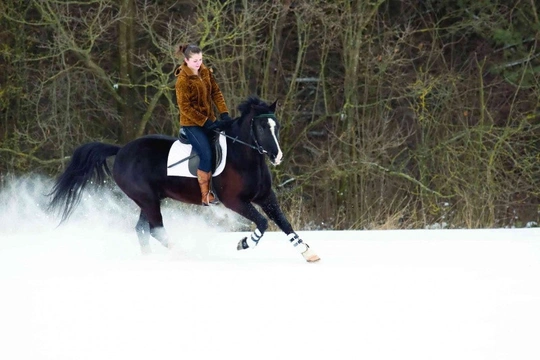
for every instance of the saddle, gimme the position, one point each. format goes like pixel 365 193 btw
pixel 184 161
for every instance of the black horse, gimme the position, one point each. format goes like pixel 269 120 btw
pixel 140 170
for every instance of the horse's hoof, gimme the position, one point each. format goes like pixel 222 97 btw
pixel 166 243
pixel 242 244
pixel 145 250
pixel 310 256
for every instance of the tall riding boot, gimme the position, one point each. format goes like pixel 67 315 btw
pixel 208 197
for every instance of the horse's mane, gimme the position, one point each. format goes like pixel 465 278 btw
pixel 250 103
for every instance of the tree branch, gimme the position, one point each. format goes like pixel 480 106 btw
pixel 33 158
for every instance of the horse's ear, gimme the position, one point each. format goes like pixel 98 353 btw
pixel 273 106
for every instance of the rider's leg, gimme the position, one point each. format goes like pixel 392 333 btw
pixel 199 140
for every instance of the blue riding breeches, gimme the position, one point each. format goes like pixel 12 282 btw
pixel 198 138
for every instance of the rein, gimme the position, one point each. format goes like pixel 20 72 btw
pixel 258 147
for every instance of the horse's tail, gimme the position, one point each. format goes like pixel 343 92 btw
pixel 88 161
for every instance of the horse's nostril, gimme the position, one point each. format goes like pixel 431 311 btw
pixel 279 158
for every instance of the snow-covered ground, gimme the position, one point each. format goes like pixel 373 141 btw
pixel 84 291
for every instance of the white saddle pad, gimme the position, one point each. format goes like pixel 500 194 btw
pixel 177 166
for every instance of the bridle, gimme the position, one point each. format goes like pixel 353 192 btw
pixel 257 147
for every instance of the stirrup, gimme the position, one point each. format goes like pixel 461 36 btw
pixel 213 202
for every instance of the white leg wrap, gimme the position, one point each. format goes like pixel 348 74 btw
pixel 297 242
pixel 303 248
pixel 253 240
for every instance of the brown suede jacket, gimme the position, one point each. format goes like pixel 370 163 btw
pixel 195 94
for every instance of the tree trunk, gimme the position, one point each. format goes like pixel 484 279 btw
pixel 125 86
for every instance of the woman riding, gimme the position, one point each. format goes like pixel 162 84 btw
pixel 196 90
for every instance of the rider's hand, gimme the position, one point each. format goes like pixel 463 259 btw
pixel 217 125
pixel 225 117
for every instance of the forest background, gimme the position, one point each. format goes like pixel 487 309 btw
pixel 395 114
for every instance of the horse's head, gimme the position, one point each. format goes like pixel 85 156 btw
pixel 265 130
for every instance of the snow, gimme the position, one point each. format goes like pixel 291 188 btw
pixel 83 290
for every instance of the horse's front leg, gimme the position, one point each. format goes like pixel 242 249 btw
pixel 248 211
pixel 271 208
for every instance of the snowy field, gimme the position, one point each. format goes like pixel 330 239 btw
pixel 84 291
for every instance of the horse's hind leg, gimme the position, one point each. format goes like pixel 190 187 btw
pixel 161 235
pixel 151 223
pixel 143 233
pixel 248 211
pixel 155 219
